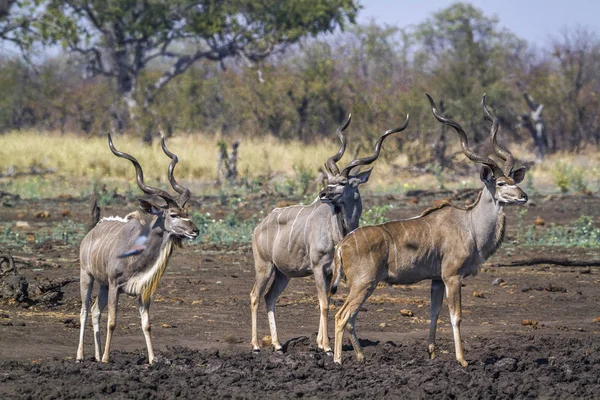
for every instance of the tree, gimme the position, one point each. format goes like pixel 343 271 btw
pixel 15 22
pixel 465 53
pixel 123 38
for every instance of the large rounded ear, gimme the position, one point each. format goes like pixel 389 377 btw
pixel 518 174
pixel 486 174
pixel 362 176
pixel 148 207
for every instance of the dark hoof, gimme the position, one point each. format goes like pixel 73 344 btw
pixel 329 353
pixel 255 351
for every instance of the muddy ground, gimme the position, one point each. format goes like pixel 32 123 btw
pixel 201 323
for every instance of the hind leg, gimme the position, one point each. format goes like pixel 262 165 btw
pixel 279 284
pixel 86 284
pixel 113 299
pixel 264 270
pixel 346 318
pixel 97 308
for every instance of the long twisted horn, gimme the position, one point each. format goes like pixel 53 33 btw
pixel 139 174
pixel 464 142
pixel 330 164
pixel 182 190
pixel 509 160
pixel 369 159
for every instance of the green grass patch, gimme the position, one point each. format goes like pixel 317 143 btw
pixel 583 233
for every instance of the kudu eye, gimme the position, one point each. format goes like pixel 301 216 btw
pixel 501 183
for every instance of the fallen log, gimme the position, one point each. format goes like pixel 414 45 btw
pixel 552 261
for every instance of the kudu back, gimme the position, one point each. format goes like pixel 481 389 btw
pixel 444 244
pixel 102 251
pixel 298 241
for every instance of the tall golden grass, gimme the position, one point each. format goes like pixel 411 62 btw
pixel 81 161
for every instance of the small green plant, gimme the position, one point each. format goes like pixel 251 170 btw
pixel 568 177
pixel 375 215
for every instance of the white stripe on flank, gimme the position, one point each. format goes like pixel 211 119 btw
pixel 292 230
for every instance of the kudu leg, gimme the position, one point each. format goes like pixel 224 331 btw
pixel 86 284
pixel 323 281
pixel 453 288
pixel 113 299
pixel 346 318
pixel 263 274
pixel 144 311
pixel 279 284
pixel 437 298
pixel 97 309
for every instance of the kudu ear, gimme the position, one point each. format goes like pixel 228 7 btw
pixel 486 174
pixel 518 174
pixel 363 176
pixel 149 207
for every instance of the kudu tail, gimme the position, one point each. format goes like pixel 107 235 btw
pixel 337 271
pixel 94 212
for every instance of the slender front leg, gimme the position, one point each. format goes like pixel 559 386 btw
pixel 113 299
pixel 437 298
pixel 144 309
pixel 263 274
pixel 97 309
pixel 323 281
pixel 279 284
pixel 86 283
pixel 453 284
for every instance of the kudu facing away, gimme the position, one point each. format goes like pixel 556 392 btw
pixel 444 244
pixel 102 250
pixel 299 240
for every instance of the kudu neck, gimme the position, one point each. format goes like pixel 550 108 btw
pixel 348 214
pixel 487 223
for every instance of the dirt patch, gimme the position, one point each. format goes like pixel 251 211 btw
pixel 201 327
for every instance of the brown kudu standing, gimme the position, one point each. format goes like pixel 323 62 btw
pixel 298 241
pixel 444 244
pixel 104 249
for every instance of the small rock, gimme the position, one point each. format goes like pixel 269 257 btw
pixel 539 221
pixel 167 326
pixel 219 283
pixel 597 319
pixel 529 322
pixel 22 224
pixel 507 364
pixel 481 295
pixel 42 214
pixel 497 281
pixel 406 313
pixel 65 213
pixel 382 325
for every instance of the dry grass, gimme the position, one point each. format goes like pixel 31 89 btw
pixel 83 161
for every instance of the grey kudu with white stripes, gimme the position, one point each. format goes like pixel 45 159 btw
pixel 444 244
pixel 299 240
pixel 100 254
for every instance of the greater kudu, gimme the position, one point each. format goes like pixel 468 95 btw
pixel 297 241
pixel 103 248
pixel 444 244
